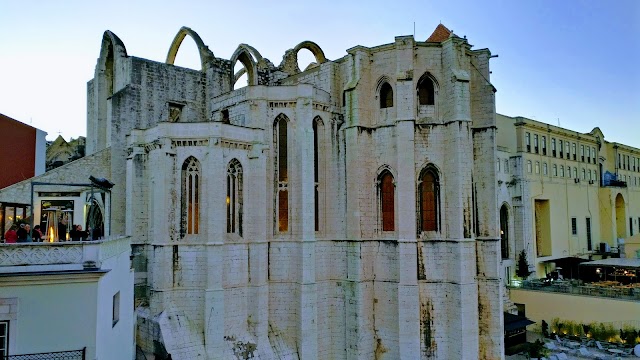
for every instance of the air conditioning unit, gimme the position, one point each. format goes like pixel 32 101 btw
pixel 591 182
pixel 576 180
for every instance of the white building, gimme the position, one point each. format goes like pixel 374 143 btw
pixel 70 297
pixel 347 211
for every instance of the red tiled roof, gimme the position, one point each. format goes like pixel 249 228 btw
pixel 440 34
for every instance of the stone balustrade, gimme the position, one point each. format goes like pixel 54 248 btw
pixel 25 257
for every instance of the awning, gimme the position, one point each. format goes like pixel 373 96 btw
pixel 513 322
pixel 617 262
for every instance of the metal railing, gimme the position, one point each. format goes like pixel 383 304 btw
pixel 58 355
pixel 566 287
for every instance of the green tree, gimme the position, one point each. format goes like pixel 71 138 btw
pixel 522 270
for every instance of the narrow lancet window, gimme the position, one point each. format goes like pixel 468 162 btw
pixel 426 92
pixel 387 200
pixel 190 196
pixel 282 191
pixel 317 155
pixel 429 193
pixel 234 197
pixel 386 96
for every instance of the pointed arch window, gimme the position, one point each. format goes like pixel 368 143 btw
pixel 428 197
pixel 190 196
pixel 281 176
pixel 386 186
pixel 426 91
pixel 234 197
pixel 504 231
pixel 386 96
pixel 318 172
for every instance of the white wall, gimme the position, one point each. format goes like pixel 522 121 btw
pixel 116 341
pixel 41 152
pixel 52 315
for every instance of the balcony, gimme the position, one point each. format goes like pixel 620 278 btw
pixel 577 287
pixel 60 256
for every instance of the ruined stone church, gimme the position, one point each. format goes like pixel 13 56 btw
pixel 343 211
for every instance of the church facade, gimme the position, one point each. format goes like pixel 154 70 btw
pixel 347 211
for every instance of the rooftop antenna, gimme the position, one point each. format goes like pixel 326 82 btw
pixel 558 122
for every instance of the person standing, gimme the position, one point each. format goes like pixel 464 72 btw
pixel 22 234
pixel 27 228
pixel 11 237
pixel 36 234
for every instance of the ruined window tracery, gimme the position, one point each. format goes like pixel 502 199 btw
pixel 190 196
pixel 428 197
pixel 234 197
pixel 386 187
pixel 386 96
pixel 282 179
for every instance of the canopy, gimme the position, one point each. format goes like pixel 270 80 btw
pixel 513 322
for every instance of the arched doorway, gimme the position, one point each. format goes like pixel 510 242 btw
pixel 95 219
pixel 504 231
pixel 621 229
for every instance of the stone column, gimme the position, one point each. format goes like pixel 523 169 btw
pixel 215 200
pixel 305 224
pixel 162 207
pixel 408 299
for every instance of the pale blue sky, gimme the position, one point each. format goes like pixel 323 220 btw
pixel 573 60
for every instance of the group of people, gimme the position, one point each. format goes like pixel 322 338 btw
pixel 23 234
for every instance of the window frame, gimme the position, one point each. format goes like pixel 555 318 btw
pixel 191 187
pixel 386 185
pixel 282 199
pixel 235 197
pixel 115 309
pixel 574 226
pixel 428 170
pixel 4 340
pixel 385 95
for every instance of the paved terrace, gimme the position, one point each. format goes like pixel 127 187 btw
pixel 60 256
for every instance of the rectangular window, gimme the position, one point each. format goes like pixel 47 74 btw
pixel 574 226
pixel 561 148
pixel 537 167
pixel 535 143
pixel 630 226
pixel 545 169
pixel 562 170
pixel 588 154
pixel 555 170
pixel 573 150
pixel 529 166
pixel 575 172
pixel 544 145
pixel 584 174
pixel 115 309
pixel 527 139
pixel 589 244
pixel 498 162
pixel 582 153
pixel 568 150
pixel 619 161
pixel 4 339
pixel 506 166
pixel 593 151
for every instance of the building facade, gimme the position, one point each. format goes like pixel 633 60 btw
pixel 563 194
pixel 22 151
pixel 67 300
pixel 347 211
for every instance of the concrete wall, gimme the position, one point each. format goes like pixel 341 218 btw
pixel 541 305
